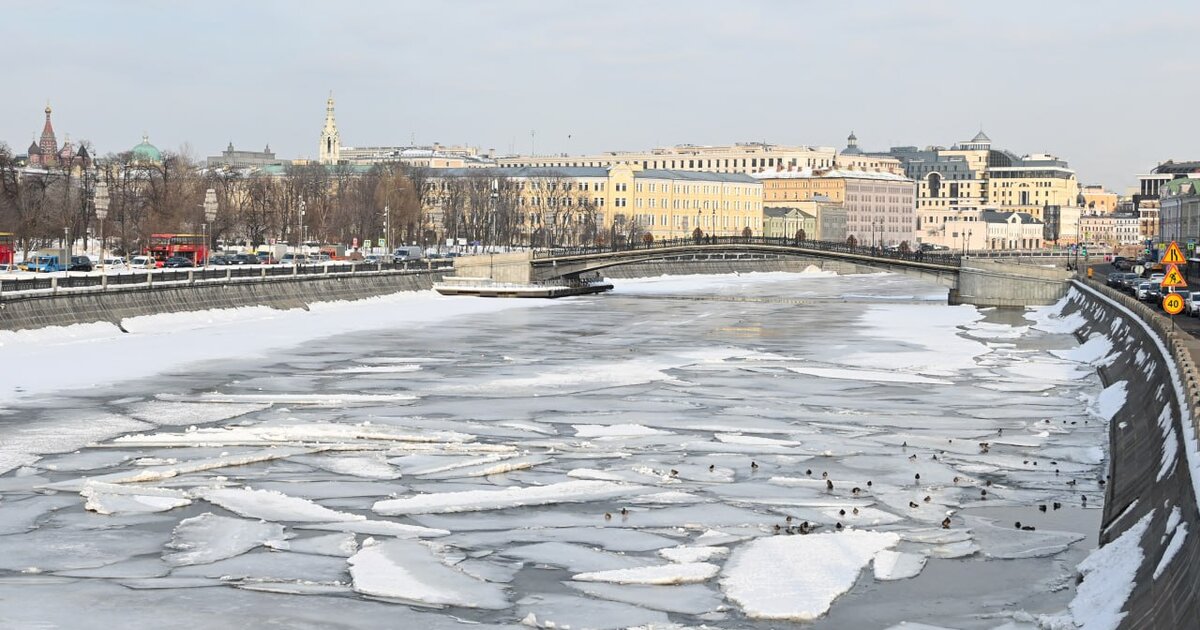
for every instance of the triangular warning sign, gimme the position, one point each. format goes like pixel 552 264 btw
pixel 1173 256
pixel 1173 278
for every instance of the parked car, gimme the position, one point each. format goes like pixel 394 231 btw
pixel 265 258
pixel 220 260
pixel 321 259
pixel 244 259
pixel 112 263
pixel 80 263
pixel 372 259
pixel 176 262
pixel 143 262
pixel 294 259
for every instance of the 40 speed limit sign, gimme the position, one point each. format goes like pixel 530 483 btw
pixel 1173 303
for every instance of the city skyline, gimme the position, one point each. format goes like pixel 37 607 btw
pixel 587 79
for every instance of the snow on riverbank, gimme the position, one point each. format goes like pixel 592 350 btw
pixel 86 356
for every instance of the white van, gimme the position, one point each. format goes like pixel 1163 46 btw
pixel 143 262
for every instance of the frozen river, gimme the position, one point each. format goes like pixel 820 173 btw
pixel 730 451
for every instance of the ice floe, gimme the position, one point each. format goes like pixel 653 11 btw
pixel 208 538
pixel 675 573
pixel 408 571
pixel 474 500
pixel 797 578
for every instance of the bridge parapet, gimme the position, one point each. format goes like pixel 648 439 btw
pixel 971 281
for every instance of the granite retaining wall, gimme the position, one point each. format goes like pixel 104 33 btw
pixel 117 303
pixel 1149 467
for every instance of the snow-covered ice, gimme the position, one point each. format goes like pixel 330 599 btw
pixel 408 571
pixel 796 578
pixel 473 500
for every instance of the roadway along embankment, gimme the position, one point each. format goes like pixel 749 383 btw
pixel 117 303
pixel 1152 452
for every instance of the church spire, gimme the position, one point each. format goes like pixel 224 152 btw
pixel 330 142
pixel 48 143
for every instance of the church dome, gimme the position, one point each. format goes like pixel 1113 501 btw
pixel 146 152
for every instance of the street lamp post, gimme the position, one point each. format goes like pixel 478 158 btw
pixel 100 203
pixel 210 213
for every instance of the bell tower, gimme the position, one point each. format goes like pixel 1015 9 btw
pixel 330 144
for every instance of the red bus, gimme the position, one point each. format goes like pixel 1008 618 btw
pixel 164 246
pixel 7 248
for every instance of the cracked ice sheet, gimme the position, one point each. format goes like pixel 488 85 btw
pixel 292 432
pixel 477 500
pixel 896 565
pixel 408 571
pixel 273 506
pixel 208 538
pixel 165 413
pixel 869 375
pixel 107 498
pixel 610 538
pixel 574 558
pixel 549 610
pixel 687 599
pixel 797 578
pixel 920 329
pixel 662 575
pixel 24 444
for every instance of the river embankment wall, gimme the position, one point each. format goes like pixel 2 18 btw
pixel 1152 452
pixel 116 303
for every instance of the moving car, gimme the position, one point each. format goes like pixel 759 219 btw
pixel 115 264
pixel 1142 292
pixel 244 259
pixel 294 259
pixel 220 260
pixel 265 258
pixel 176 262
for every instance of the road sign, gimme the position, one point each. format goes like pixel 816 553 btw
pixel 1173 303
pixel 1173 278
pixel 1173 256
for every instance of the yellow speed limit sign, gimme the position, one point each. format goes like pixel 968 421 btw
pixel 1173 303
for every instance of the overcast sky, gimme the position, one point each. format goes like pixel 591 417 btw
pixel 1106 85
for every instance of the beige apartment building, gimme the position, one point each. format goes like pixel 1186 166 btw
pixel 1110 230
pixel 880 208
pixel 972 175
pixel 627 198
pixel 747 158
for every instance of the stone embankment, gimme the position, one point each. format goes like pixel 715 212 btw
pixel 1152 440
pixel 116 303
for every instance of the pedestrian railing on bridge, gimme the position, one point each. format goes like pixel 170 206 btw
pixel 937 258
pixel 19 286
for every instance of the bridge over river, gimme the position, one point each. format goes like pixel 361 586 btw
pixel 978 280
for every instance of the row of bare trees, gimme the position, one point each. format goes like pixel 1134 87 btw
pixel 302 203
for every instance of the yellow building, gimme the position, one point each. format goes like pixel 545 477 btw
pixel 576 205
pixel 747 157
pixel 1096 200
